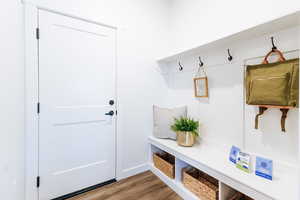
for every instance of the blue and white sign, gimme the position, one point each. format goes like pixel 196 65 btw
pixel 233 154
pixel 264 168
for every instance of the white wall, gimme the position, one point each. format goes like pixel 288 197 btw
pixel 197 22
pixel 222 113
pixel 11 101
pixel 142 29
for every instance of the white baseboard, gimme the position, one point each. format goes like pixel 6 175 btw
pixel 133 171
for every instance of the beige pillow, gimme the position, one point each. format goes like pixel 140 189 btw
pixel 163 118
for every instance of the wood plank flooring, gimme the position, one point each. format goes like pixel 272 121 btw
pixel 145 186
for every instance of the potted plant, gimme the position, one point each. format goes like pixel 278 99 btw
pixel 186 130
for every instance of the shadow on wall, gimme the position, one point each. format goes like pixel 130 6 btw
pixel 219 76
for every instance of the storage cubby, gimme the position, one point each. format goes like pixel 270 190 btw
pixel 165 163
pixel 228 193
pixel 201 184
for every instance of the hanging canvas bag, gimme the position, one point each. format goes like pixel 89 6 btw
pixel 273 85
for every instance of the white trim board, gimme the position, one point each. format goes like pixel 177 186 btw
pixel 38 5
pixel 31 100
pixel 133 171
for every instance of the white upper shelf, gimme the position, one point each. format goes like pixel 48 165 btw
pixel 259 30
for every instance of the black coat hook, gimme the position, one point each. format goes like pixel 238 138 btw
pixel 200 62
pixel 273 45
pixel 180 66
pixel 229 55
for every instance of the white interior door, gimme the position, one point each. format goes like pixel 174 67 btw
pixel 77 65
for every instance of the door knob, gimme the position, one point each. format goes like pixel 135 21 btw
pixel 111 113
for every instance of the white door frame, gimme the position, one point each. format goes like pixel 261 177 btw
pixel 31 98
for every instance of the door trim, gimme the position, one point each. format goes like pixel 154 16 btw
pixel 31 60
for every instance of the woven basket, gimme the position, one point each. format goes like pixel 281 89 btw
pixel 240 196
pixel 165 163
pixel 202 185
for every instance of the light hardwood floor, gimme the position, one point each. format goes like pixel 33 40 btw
pixel 145 186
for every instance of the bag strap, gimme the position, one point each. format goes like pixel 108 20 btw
pixel 261 111
pixel 274 51
pixel 283 118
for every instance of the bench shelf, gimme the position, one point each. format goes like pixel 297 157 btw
pixel 214 161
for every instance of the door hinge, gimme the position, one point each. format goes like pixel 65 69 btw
pixel 38 107
pixel 38 182
pixel 37 31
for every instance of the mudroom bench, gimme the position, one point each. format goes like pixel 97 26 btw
pixel 214 162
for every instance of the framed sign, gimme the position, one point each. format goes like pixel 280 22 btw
pixel 201 87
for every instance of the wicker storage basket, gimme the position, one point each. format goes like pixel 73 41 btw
pixel 240 196
pixel 202 185
pixel 165 163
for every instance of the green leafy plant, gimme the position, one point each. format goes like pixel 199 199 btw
pixel 186 124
